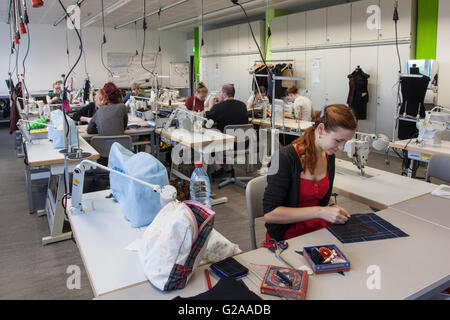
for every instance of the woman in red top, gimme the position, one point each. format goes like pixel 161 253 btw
pixel 196 102
pixel 297 197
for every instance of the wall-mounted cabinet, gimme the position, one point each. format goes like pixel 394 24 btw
pixel 338 24
pixel 279 31
pixel 387 31
pixel 296 30
pixel 316 27
pixel 360 31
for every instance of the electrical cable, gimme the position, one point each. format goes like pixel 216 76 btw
pixel 144 26
pixel 23 63
pixel 104 40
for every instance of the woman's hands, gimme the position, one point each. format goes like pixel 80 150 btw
pixel 334 214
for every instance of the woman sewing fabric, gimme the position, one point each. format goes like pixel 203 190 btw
pixel 85 114
pixel 257 100
pixel 196 102
pixel 297 196
pixel 302 106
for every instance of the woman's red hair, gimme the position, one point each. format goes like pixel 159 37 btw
pixel 334 116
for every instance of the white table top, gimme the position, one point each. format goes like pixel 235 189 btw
pixel 102 234
pixel 430 208
pixel 40 152
pixel 443 148
pixel 288 123
pixel 381 190
pixel 407 265
pixel 190 139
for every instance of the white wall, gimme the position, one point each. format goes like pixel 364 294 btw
pixel 339 37
pixel 47 58
pixel 443 52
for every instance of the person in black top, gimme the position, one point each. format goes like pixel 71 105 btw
pixel 300 178
pixel 226 110
pixel 85 114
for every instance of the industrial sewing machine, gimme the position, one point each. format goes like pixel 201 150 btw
pixel 189 120
pixel 167 96
pixel 431 128
pixel 358 148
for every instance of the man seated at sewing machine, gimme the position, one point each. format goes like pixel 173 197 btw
pixel 257 101
pixel 111 119
pixel 55 95
pixel 85 114
pixel 225 110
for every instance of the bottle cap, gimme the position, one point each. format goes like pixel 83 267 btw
pixel 198 164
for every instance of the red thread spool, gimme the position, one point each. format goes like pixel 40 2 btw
pixel 22 28
pixel 37 3
pixel 16 40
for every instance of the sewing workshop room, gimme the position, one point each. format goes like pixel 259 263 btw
pixel 235 152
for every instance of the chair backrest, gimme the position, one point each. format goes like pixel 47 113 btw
pixel 103 143
pixel 439 167
pixel 234 127
pixel 254 196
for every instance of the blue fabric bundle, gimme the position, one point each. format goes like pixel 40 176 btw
pixel 56 133
pixel 140 204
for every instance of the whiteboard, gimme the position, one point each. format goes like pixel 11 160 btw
pixel 179 74
pixel 126 67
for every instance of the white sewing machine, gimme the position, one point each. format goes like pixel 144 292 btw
pixel 189 120
pixel 167 96
pixel 431 128
pixel 358 148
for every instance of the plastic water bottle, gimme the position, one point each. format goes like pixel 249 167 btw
pixel 200 186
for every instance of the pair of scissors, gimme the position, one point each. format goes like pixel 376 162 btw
pixel 274 246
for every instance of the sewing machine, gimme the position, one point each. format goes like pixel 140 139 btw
pixel 167 96
pixel 167 193
pixel 431 128
pixel 189 120
pixel 358 148
pixel 139 106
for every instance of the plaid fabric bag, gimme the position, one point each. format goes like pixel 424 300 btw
pixel 174 243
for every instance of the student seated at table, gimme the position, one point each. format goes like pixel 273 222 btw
pixel 85 114
pixel 225 110
pixel 55 95
pixel 111 119
pixel 297 196
pixel 196 102
pixel 134 92
pixel 302 106
pixel 256 101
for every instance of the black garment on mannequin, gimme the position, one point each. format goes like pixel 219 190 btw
pixel 413 94
pixel 358 96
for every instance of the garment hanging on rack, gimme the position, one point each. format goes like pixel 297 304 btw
pixel 279 88
pixel 260 69
pixel 358 95
pixel 413 96
pixel 287 71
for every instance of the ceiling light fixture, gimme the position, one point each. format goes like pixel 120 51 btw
pixel 116 5
pixel 151 14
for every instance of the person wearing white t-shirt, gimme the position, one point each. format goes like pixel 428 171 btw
pixel 302 106
pixel 257 100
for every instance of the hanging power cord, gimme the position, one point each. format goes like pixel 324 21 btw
pixel 144 27
pixel 64 93
pixel 104 40
pixel 396 18
pixel 159 40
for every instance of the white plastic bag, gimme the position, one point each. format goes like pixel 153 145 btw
pixel 173 244
pixel 57 135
